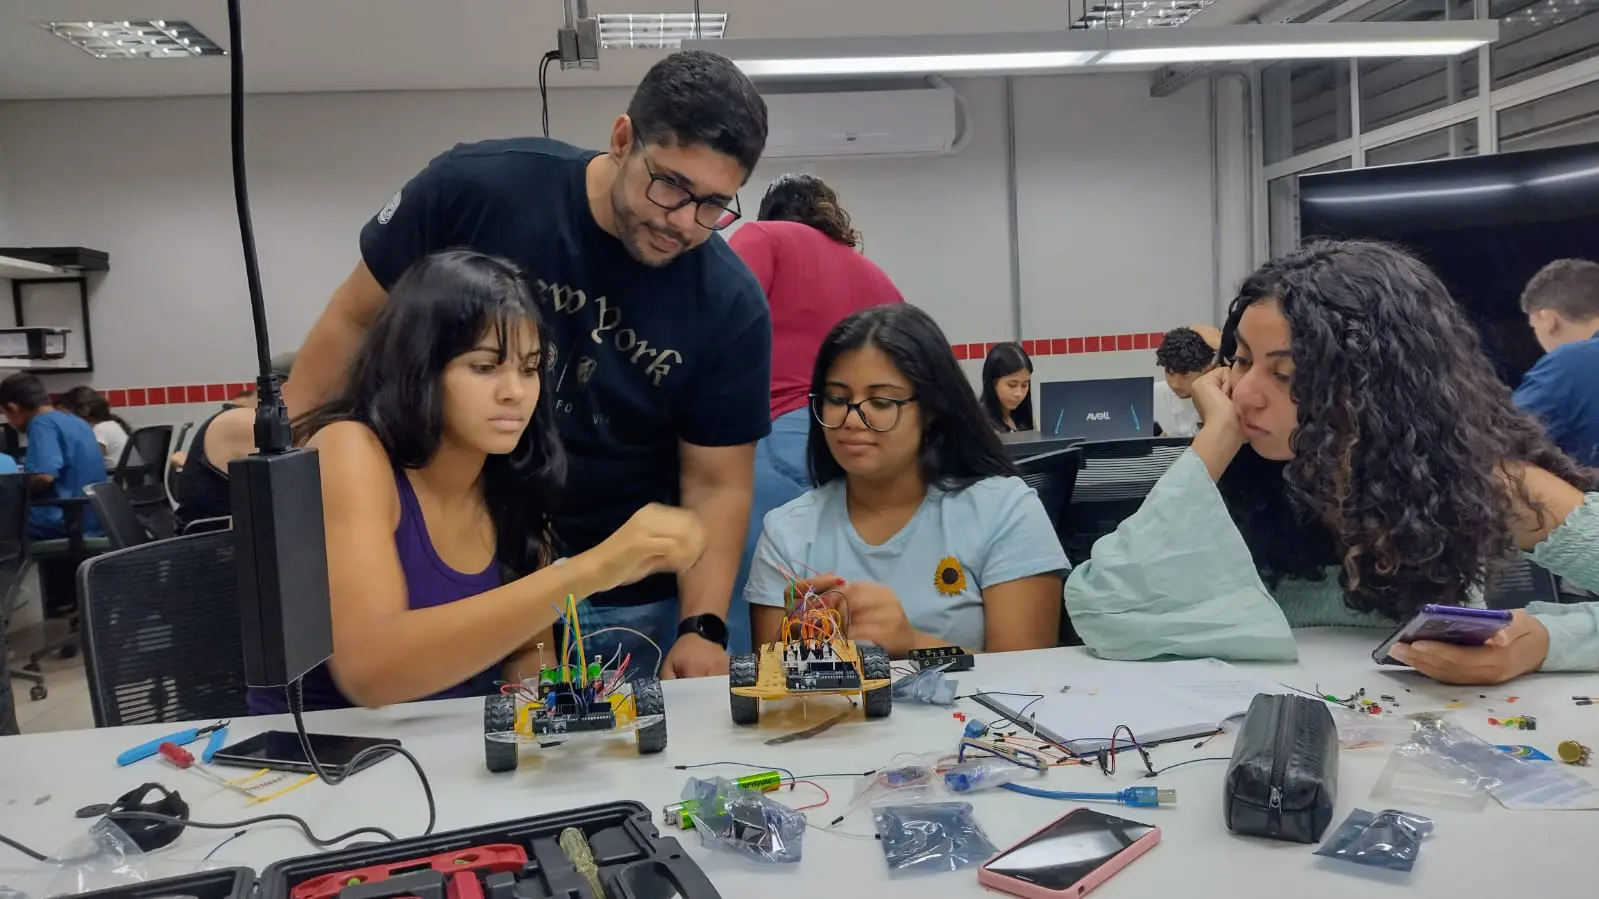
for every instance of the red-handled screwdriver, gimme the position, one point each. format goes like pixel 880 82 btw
pixel 183 758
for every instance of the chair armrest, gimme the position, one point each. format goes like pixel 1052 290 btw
pixel 207 525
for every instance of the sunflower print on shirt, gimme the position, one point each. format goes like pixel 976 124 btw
pixel 950 578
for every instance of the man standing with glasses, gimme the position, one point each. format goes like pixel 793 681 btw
pixel 659 352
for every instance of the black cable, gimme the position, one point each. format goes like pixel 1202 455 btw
pixel 544 88
pixel 30 853
pixel 296 820
pixel 333 779
pixel 1213 758
pixel 271 418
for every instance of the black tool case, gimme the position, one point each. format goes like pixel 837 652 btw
pixel 634 862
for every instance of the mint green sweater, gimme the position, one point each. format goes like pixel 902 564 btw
pixel 1176 579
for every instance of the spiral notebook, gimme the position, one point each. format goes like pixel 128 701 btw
pixel 1160 702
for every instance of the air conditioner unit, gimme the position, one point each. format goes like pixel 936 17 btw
pixel 918 122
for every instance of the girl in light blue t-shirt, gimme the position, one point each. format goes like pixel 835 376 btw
pixel 918 518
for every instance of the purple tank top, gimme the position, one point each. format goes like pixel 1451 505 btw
pixel 428 582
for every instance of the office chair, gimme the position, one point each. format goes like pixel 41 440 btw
pixel 1115 478
pixel 1520 582
pixel 161 632
pixel 58 558
pixel 207 525
pixel 142 475
pixel 14 562
pixel 118 518
pixel 1054 476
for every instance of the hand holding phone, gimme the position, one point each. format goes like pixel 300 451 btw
pixel 1457 625
pixel 1077 852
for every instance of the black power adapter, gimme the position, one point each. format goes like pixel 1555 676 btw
pixel 276 494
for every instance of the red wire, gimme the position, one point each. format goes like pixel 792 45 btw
pixel 826 796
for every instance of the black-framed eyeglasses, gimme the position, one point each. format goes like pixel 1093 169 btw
pixel 877 413
pixel 711 213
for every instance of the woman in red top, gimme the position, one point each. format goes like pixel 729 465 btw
pixel 807 257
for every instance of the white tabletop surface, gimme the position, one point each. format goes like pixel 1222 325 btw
pixel 1493 852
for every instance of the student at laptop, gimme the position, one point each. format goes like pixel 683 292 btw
pixel 109 429
pixel 440 468
pixel 1358 460
pixel 1184 355
pixel 1008 388
pixel 63 456
pixel 200 487
pixel 1562 390
pixel 918 520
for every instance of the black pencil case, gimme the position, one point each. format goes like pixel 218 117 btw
pixel 1282 781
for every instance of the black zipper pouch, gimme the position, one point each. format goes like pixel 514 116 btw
pixel 1282 781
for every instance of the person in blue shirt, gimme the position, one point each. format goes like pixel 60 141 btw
pixel 8 465
pixel 1562 389
pixel 919 520
pixel 63 455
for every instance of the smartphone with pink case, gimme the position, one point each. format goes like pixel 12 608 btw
pixel 1070 856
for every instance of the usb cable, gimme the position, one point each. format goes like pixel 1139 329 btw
pixel 1137 797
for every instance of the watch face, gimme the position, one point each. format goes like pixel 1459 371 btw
pixel 710 627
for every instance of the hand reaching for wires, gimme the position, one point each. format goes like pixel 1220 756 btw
pixel 872 613
pixel 657 538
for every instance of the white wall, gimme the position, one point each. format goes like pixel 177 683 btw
pixel 1115 211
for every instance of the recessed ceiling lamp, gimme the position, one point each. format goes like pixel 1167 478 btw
pixel 658 30
pixel 1079 48
pixel 1140 13
pixel 136 39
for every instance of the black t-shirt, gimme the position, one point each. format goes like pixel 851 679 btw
pixel 638 358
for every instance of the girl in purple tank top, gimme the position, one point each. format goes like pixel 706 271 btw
pixel 440 468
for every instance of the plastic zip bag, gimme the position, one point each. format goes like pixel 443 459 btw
pixel 930 685
pixel 930 838
pixel 746 822
pixel 1389 840
pixel 1515 783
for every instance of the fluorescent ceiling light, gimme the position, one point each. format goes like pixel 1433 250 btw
pixel 906 65
pixel 657 31
pixel 1329 50
pixel 136 39
pixel 1140 13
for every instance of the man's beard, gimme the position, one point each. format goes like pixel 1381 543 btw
pixel 629 229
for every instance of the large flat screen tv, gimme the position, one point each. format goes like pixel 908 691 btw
pixel 1485 224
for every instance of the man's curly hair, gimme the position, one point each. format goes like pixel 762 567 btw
pixel 1399 467
pixel 1184 352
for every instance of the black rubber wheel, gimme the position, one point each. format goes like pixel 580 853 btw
pixel 499 716
pixel 37 692
pixel 874 664
pixel 32 667
pixel 744 671
pixel 647 700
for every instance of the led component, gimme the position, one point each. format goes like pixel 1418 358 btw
pixel 136 39
pixel 1307 50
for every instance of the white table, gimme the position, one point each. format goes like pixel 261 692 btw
pixel 1488 853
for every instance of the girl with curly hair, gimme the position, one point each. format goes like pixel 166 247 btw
pixel 1358 460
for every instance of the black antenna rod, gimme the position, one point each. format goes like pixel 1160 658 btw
pixel 271 418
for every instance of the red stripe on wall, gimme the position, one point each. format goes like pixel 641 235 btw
pixel 1037 346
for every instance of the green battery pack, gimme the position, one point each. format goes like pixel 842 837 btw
pixel 680 814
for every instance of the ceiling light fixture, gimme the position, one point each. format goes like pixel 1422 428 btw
pixel 1079 48
pixel 658 30
pixel 136 39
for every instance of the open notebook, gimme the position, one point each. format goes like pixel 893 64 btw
pixel 1159 701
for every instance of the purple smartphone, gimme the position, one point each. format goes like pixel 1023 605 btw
pixel 1445 624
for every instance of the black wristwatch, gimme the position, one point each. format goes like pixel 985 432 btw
pixel 711 627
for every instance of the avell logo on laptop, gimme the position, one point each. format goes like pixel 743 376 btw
pixel 1111 409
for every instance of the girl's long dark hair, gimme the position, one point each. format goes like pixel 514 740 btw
pixel 438 310
pixel 808 200
pixel 958 446
pixel 1007 359
pixel 1403 432
pixel 91 406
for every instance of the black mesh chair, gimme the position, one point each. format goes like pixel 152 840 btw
pixel 58 558
pixel 1115 478
pixel 1521 582
pixel 143 466
pixel 14 561
pixel 161 632
pixel 178 445
pixel 118 518
pixel 1054 476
